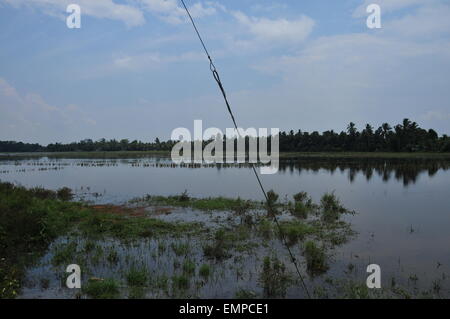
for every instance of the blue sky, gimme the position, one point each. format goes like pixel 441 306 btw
pixel 136 70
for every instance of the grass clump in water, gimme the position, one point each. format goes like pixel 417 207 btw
pixel 102 289
pixel 64 254
pixel 189 267
pixel 137 277
pixel 302 206
pixel 274 278
pixel 265 229
pixel 204 204
pixel 331 208
pixel 180 249
pixel 296 230
pixel 316 263
pixel 219 248
pixel 204 271
pixel 180 282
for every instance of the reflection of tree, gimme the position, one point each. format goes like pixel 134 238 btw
pixel 406 171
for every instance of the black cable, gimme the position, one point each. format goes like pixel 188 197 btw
pixel 219 83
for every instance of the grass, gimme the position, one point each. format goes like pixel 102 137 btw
pixel 103 224
pixel 331 208
pixel 137 277
pixel 204 204
pixel 102 289
pixel 223 241
pixel 204 271
pixel 274 278
pixel 64 254
pixel 30 219
pixel 297 230
pixel 316 262
pixel 189 267
pixel 180 249
pixel 180 282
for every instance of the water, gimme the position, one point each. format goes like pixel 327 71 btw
pixel 403 206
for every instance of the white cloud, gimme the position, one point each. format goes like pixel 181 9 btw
pixel 132 13
pixel 259 33
pixel 171 12
pixel 106 9
pixel 143 62
pixel 427 21
pixel 283 30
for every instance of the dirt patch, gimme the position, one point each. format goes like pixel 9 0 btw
pixel 120 210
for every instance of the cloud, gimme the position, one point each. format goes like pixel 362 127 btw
pixel 132 13
pixel 28 117
pixel 171 12
pixel 143 62
pixel 283 30
pixel 105 9
pixel 426 22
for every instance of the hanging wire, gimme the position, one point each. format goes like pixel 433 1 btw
pixel 269 204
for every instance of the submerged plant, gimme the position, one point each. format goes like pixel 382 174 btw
pixel 189 267
pixel 204 271
pixel 274 278
pixel 180 282
pixel 102 289
pixel 296 230
pixel 331 208
pixel 219 248
pixel 315 258
pixel 137 277
pixel 302 206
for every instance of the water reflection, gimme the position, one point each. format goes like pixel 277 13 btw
pixel 405 171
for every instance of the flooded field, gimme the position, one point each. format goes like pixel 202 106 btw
pixel 401 222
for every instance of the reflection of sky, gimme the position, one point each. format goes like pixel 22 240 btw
pixel 386 211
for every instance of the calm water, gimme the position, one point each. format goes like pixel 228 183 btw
pixel 403 206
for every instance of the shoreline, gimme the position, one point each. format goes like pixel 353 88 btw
pixel 283 155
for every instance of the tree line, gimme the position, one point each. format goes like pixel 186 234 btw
pixel 404 137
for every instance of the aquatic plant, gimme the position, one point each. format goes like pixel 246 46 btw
pixel 65 254
pixel 274 278
pixel 219 248
pixel 204 271
pixel 113 257
pixel 316 263
pixel 102 289
pixel 180 249
pixel 265 228
pixel 245 294
pixel 331 208
pixel 296 230
pixel 180 282
pixel 188 267
pixel 137 277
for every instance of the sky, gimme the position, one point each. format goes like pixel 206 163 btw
pixel 136 70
